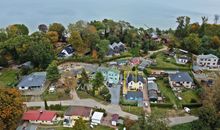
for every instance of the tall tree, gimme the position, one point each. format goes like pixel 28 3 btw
pixel 192 43
pixel 17 29
pixel 98 81
pixel 53 72
pixel 84 80
pixel 10 109
pixel 183 27
pixel 41 54
pixel 80 125
pixel 43 28
pixel 102 47
pixel 53 36
pixel 3 35
pixel 76 40
pixel 202 30
pixel 57 27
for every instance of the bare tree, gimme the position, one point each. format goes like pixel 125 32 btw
pixel 216 18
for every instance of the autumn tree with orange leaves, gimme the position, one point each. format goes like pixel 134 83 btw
pixel 10 108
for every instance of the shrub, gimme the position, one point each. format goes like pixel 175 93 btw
pixel 192 105
pixel 67 91
pixel 162 105
pixel 56 107
pixel 193 100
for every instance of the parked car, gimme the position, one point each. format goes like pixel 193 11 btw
pixel 186 109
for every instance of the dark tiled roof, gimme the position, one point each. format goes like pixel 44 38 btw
pixel 34 79
pixel 134 94
pixel 134 78
pixel 152 94
pixel 152 86
pixel 181 76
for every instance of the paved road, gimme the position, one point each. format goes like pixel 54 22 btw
pixel 114 109
pixel 181 120
pixel 115 94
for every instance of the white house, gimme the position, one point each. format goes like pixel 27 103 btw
pixel 96 118
pixel 135 82
pixel 66 52
pixel 209 60
pixel 182 60
pixel 179 80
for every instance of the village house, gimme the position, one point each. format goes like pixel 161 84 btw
pixel 135 82
pixel 74 113
pixel 134 96
pixel 209 60
pixel 111 75
pixel 152 91
pixel 40 117
pixel 97 118
pixel 116 49
pixel 144 64
pixel 182 59
pixel 34 80
pixel 115 118
pixel 66 52
pixel 179 80
pixel 135 61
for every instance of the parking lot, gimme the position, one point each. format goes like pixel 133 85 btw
pixel 115 94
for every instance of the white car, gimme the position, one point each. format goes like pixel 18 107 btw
pixel 186 109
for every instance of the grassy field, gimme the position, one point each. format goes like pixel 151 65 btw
pixel 166 62
pixel 132 109
pixel 58 95
pixel 7 77
pixel 186 126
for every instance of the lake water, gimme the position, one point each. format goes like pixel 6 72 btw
pixel 153 13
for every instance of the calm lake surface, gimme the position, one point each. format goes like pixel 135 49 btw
pixel 153 13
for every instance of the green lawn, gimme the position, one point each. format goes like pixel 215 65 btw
pixel 55 96
pixel 167 92
pixel 166 62
pixel 132 109
pixel 84 95
pixel 188 96
pixel 186 126
pixel 7 77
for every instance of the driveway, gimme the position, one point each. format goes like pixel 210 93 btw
pixel 115 94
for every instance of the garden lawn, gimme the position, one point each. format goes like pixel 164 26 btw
pixel 165 62
pixel 85 95
pixel 188 95
pixel 54 96
pixel 132 109
pixel 8 77
pixel 99 127
pixel 167 92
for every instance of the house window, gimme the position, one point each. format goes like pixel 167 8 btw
pixel 139 83
pixel 213 63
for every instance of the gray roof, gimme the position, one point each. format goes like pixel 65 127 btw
pixel 152 86
pixel 181 77
pixel 34 79
pixel 145 63
pixel 134 78
pixel 207 56
pixel 196 68
pixel 134 94
pixel 152 94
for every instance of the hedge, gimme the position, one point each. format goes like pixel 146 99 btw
pixel 192 105
pixel 162 105
pixel 127 103
pixel 168 68
pixel 91 60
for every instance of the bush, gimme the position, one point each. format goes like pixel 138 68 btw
pixel 193 100
pixel 128 103
pixel 192 105
pixel 153 56
pixel 56 107
pixel 162 105
pixel 67 91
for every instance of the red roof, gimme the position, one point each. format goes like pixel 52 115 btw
pixel 47 116
pixel 39 115
pixel 135 61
